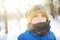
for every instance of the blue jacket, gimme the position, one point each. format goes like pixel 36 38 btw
pixel 28 35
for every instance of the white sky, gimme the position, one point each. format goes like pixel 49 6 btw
pixel 22 5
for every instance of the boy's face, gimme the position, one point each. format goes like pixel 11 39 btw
pixel 38 18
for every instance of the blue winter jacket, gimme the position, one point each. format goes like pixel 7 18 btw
pixel 28 35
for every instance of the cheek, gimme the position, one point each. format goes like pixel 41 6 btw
pixel 35 20
pixel 43 19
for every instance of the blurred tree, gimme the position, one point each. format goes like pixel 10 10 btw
pixel 59 7
pixel 59 10
pixel 54 8
pixel 5 17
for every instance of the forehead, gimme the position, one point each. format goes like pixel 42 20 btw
pixel 38 13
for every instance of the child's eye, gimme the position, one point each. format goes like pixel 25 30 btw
pixel 43 16
pixel 35 16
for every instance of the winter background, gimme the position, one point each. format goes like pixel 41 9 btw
pixel 17 24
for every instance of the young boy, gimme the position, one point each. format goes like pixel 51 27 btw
pixel 38 25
